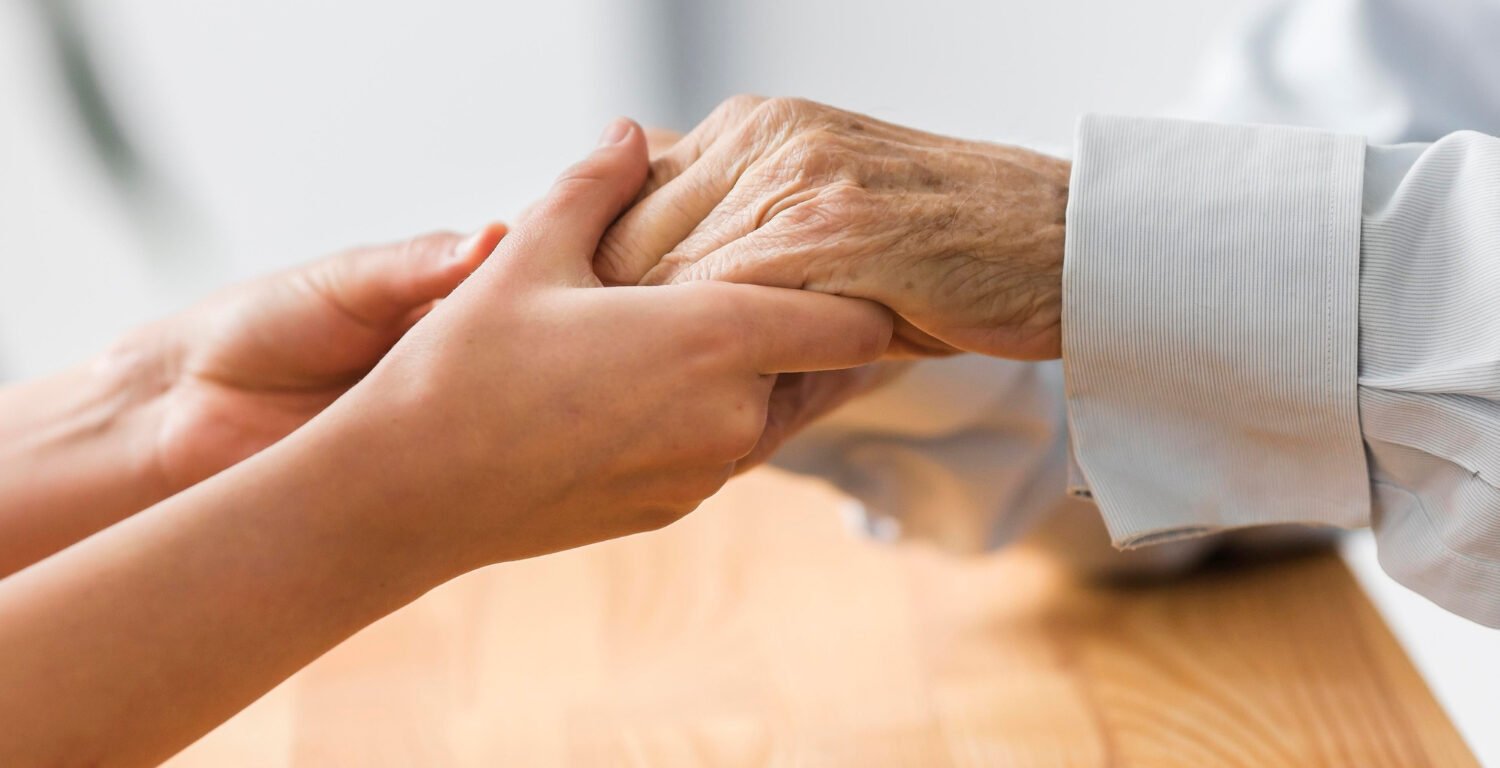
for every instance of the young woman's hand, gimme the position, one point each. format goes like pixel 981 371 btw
pixel 535 410
pixel 248 366
pixel 186 397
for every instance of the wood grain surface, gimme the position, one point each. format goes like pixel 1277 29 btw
pixel 759 632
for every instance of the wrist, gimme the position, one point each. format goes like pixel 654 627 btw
pixel 1031 197
pixel 80 447
pixel 368 462
pixel 352 503
pixel 136 376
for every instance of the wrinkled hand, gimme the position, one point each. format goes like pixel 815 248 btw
pixel 798 399
pixel 962 239
pixel 245 368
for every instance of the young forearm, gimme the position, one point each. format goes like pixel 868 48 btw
pixel 130 645
pixel 77 454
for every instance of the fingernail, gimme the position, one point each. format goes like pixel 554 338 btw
pixel 615 132
pixel 466 246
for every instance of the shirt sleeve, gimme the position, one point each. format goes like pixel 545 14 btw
pixel 965 452
pixel 1429 374
pixel 1277 325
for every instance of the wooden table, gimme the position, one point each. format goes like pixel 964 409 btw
pixel 759 632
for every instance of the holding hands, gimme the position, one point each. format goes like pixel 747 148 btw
pixel 962 239
pixel 184 398
pixel 325 445
pixel 546 412
pixel 247 367
pixel 318 448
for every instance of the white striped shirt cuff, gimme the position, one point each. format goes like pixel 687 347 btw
pixel 1210 326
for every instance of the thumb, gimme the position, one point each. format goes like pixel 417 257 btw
pixel 380 285
pixel 560 233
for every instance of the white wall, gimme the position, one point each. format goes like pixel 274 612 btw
pixel 1020 69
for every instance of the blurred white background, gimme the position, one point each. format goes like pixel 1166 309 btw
pixel 228 139
pixel 264 134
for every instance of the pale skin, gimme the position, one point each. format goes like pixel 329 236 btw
pixel 801 398
pixel 531 410
pixel 963 240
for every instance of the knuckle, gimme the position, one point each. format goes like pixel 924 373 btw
pixel 587 177
pixel 581 176
pixel 778 114
pixel 675 267
pixel 332 283
pixel 737 108
pixel 828 212
pixel 568 192
pixel 738 105
pixel 789 107
pixel 663 169
pixel 843 199
pixel 612 262
pixel 584 184
pixel 820 152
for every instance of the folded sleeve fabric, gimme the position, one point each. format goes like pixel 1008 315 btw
pixel 1279 325
pixel 966 453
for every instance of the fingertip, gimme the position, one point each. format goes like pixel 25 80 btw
pixel 622 148
pixel 624 138
pixel 480 244
pixel 568 223
pixel 617 131
pixel 880 329
pixel 443 260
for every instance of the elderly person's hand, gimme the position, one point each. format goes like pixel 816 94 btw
pixel 799 399
pixel 962 239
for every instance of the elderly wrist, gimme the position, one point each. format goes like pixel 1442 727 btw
pixel 1027 203
pixel 1048 219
